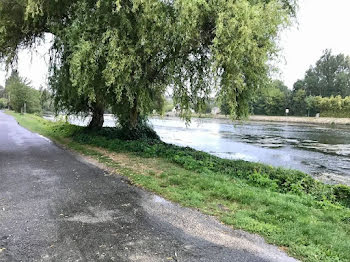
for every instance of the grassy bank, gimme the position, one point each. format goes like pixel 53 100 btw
pixel 306 218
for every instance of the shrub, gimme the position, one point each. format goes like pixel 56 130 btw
pixel 334 106
pixel 3 103
pixel 342 194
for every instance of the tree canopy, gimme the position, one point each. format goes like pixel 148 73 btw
pixel 329 77
pixel 2 91
pixel 22 95
pixel 3 98
pixel 126 54
pixel 273 99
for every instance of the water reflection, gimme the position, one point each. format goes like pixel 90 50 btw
pixel 317 150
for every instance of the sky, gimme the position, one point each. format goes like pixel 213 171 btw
pixel 321 24
pixel 32 64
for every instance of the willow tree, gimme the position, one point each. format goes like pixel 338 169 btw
pixel 126 54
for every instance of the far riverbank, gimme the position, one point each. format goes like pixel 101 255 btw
pixel 285 119
pixel 306 120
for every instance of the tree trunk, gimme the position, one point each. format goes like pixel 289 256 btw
pixel 134 116
pixel 97 117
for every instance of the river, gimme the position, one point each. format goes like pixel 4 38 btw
pixel 319 150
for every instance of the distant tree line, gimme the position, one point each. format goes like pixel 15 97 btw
pixel 19 96
pixel 329 77
pixel 325 89
pixel 3 98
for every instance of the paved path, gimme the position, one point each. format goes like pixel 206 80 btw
pixel 54 206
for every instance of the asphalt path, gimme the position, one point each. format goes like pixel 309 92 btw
pixel 56 206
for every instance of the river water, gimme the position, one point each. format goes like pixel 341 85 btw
pixel 319 150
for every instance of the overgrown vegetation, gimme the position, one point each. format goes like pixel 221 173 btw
pixel 307 218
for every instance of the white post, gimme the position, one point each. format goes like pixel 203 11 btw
pixel 287 111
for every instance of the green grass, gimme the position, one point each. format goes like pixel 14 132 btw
pixel 288 208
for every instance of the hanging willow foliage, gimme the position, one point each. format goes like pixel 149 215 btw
pixel 126 54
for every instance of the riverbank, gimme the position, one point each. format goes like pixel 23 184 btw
pixel 281 119
pixel 306 218
pixel 305 120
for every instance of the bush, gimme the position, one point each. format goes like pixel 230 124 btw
pixel 342 193
pixel 143 132
pixel 334 106
pixel 3 103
